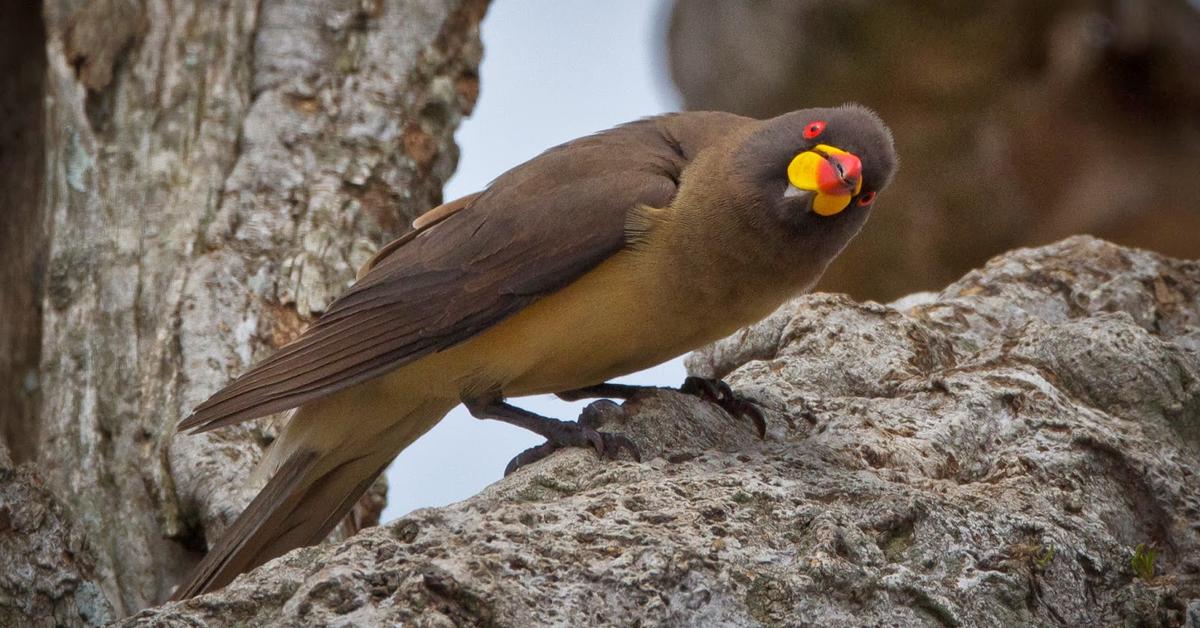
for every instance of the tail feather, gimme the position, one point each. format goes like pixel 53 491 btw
pixel 313 519
pixel 244 541
pixel 323 462
pixel 293 510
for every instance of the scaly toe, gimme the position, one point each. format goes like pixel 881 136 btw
pixel 616 442
pixel 530 456
pixel 581 433
pixel 719 393
pixel 595 413
pixel 750 410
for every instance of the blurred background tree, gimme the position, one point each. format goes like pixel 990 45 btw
pixel 1018 122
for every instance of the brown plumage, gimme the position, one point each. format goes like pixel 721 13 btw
pixel 599 257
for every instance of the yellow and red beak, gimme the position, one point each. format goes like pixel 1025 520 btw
pixel 832 173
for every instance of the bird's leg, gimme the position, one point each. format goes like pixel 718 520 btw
pixel 603 391
pixel 712 390
pixel 558 434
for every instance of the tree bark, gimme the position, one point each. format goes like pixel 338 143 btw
pixel 22 70
pixel 214 173
pixel 47 570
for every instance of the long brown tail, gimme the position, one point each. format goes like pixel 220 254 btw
pixel 327 456
pixel 299 506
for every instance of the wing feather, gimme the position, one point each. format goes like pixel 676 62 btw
pixel 471 264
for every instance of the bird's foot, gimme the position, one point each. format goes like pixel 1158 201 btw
pixel 580 433
pixel 719 393
pixel 558 434
pixel 712 390
pixel 605 391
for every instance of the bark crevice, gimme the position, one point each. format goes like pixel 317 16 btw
pixel 22 233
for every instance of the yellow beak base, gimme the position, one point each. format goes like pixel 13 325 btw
pixel 804 173
pixel 830 204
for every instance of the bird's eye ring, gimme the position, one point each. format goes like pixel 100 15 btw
pixel 866 199
pixel 814 129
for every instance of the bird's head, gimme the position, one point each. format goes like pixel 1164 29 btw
pixel 817 168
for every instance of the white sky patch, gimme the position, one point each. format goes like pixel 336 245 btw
pixel 552 70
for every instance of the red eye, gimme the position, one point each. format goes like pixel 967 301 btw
pixel 866 199
pixel 814 129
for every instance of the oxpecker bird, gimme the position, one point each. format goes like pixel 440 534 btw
pixel 600 257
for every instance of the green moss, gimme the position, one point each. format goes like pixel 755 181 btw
pixel 768 598
pixel 897 540
pixel 545 487
pixel 1043 560
pixel 1142 561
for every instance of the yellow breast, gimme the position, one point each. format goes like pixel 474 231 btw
pixel 622 317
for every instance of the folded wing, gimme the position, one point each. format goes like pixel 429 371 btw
pixel 534 230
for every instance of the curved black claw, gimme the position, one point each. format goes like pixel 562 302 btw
pixel 581 433
pixel 530 456
pixel 718 392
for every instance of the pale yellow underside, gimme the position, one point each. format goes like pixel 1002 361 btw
pixel 624 316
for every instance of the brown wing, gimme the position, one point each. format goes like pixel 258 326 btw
pixel 423 222
pixel 532 231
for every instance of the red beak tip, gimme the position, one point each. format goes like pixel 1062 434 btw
pixel 852 165
pixel 830 182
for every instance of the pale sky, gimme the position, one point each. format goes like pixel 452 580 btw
pixel 552 70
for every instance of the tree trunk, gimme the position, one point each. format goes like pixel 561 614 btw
pixel 214 173
pixel 22 68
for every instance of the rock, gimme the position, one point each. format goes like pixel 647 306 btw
pixel 47 573
pixel 1018 449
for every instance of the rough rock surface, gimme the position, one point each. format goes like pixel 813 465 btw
pixel 48 576
pixel 993 455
